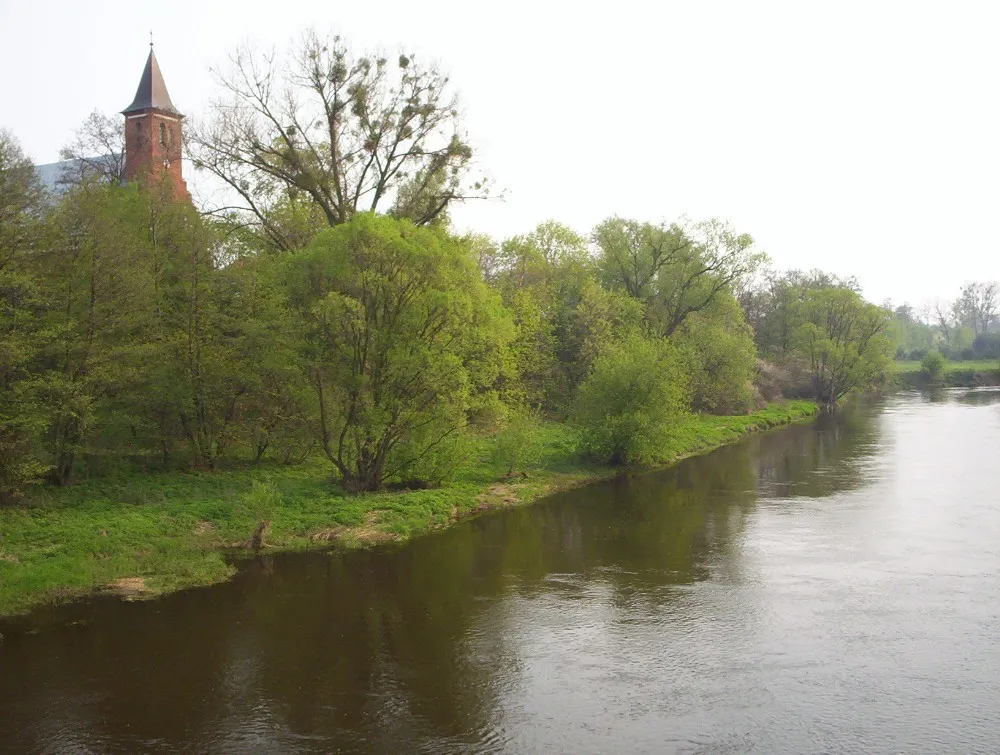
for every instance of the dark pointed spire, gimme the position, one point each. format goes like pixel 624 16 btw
pixel 152 92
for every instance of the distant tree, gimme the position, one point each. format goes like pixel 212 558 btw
pixel 635 391
pixel 350 132
pixel 976 306
pixel 932 367
pixel 846 341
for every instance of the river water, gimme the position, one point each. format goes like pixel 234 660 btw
pixel 827 588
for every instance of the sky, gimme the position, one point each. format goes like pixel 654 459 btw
pixel 862 138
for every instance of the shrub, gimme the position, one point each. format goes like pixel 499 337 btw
pixel 932 366
pixel 626 406
pixel 517 444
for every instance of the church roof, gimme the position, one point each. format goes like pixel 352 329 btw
pixel 152 92
pixel 56 178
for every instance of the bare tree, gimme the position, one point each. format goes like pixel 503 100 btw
pixel 976 306
pixel 350 133
pixel 97 151
pixel 940 313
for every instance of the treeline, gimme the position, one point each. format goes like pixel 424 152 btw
pixel 335 312
pixel 963 330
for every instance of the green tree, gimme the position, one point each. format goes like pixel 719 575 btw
pixel 717 347
pixel 400 333
pixel 517 443
pixel 932 367
pixel 846 340
pixel 676 271
pixel 542 277
pixel 22 334
pixel 625 408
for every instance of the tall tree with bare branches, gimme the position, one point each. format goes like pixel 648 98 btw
pixel 96 152
pixel 347 132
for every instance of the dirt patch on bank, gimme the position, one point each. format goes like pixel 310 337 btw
pixel 367 533
pixel 498 495
pixel 130 588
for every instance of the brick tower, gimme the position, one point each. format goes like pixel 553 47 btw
pixel 153 134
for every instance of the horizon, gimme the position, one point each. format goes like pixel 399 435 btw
pixel 903 176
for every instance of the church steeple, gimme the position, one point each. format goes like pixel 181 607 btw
pixel 153 133
pixel 152 91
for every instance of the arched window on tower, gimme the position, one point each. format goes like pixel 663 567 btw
pixel 163 134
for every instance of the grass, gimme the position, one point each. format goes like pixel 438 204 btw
pixel 956 374
pixel 146 534
pixel 979 365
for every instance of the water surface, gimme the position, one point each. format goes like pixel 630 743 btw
pixel 830 588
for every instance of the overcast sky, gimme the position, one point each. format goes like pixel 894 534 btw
pixel 858 137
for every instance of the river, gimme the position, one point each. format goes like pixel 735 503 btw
pixel 826 588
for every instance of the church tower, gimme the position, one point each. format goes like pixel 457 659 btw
pixel 153 133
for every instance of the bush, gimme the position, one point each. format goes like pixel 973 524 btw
pixel 626 406
pixel 517 444
pixel 932 366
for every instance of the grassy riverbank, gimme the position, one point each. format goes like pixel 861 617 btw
pixel 152 533
pixel 956 374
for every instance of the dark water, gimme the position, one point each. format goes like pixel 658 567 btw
pixel 823 589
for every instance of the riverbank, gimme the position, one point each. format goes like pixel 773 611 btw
pixel 971 374
pixel 144 535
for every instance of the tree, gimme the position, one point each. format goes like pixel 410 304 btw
pixel 932 367
pixel 846 340
pixel 350 132
pixel 400 334
pixel 97 151
pixel 22 336
pixel 719 355
pixel 976 306
pixel 541 276
pixel 626 405
pixel 517 443
pixel 677 271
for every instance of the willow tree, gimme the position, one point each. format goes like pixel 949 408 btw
pixel 348 132
pixel 846 340
pixel 401 338
pixel 677 270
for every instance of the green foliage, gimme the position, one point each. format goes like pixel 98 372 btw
pixel 627 404
pixel 262 501
pixel 516 445
pixel 400 334
pixel 719 355
pixel 23 414
pixel 932 366
pixel 676 271
pixel 846 340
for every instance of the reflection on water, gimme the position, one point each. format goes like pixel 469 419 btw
pixel 826 588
